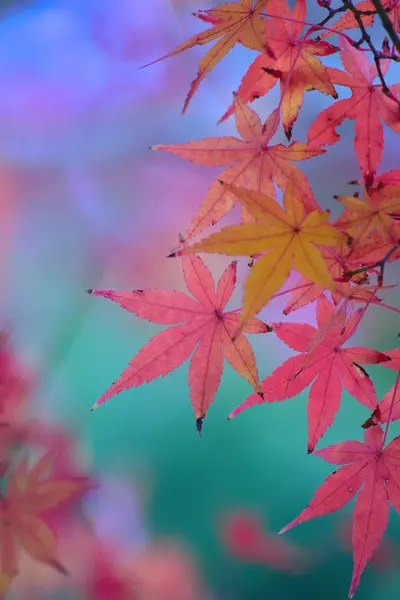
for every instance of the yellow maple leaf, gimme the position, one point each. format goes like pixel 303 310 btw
pixel 291 237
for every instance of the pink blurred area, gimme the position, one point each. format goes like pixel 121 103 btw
pixel 99 570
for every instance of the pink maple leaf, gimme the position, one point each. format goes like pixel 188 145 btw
pixel 331 366
pixel 255 164
pixel 367 106
pixel 202 326
pixel 370 469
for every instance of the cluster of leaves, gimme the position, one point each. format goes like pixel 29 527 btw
pixel 44 522
pixel 40 481
pixel 341 263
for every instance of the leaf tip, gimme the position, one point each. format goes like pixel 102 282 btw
pixel 199 426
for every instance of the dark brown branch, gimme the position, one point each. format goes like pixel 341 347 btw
pixel 376 54
pixel 387 23
pixel 380 264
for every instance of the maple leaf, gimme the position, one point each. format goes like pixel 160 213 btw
pixel 204 327
pixel 230 23
pixel 308 291
pixel 330 367
pixel 30 492
pixel 255 165
pixel 367 105
pixel 384 557
pixel 295 64
pixel 374 471
pixel 244 536
pixel 384 408
pixel 374 213
pixel 290 235
pixel 373 249
pixel 338 263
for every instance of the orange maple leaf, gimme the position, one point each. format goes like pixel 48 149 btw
pixel 373 214
pixel 231 23
pixel 255 165
pixel 295 63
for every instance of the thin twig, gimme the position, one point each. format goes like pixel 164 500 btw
pixel 387 23
pixel 365 36
pixel 379 264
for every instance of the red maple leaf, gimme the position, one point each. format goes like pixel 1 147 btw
pixel 367 105
pixel 381 413
pixel 204 326
pixel 256 165
pixel 295 64
pixel 374 471
pixel 245 537
pixel 330 365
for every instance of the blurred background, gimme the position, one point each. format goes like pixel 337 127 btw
pixel 85 204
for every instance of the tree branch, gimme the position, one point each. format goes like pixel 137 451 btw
pixel 377 55
pixel 387 23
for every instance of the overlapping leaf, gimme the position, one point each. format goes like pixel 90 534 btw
pixel 295 64
pixel 331 366
pixel 291 237
pixel 255 164
pixel 204 328
pixel 367 106
pixel 372 471
pixel 389 404
pixel 375 213
pixel 231 23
